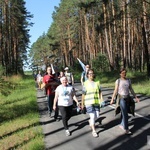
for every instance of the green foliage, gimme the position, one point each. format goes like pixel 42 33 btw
pixel 107 79
pixel 100 63
pixel 15 33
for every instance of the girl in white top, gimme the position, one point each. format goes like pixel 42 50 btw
pixel 64 96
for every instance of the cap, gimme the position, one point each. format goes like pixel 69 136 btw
pixel 66 68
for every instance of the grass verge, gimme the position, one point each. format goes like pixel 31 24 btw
pixel 19 117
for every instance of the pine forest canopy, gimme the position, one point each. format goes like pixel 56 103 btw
pixel 14 35
pixel 118 30
pixel 113 33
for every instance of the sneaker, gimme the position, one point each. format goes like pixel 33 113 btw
pixel 94 134
pixel 49 114
pixel 128 132
pixel 67 133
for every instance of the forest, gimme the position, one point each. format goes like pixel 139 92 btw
pixel 107 34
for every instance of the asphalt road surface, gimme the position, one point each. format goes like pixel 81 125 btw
pixel 111 137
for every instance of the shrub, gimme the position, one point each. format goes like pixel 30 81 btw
pixel 100 63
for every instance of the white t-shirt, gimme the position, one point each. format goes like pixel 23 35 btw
pixel 65 95
pixel 123 88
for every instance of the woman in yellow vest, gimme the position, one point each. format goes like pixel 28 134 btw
pixel 91 99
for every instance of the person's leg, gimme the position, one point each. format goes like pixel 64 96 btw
pixel 124 113
pixel 63 111
pixel 64 116
pixel 92 113
pixel 40 85
pixel 96 112
pixel 92 123
pixel 93 116
pixel 48 100
pixel 69 112
pixel 56 113
pixel 51 106
pixel 51 101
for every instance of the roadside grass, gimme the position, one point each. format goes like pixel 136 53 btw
pixel 19 117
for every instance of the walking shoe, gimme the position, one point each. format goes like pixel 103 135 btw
pixel 128 132
pixel 67 133
pixel 50 114
pixel 94 134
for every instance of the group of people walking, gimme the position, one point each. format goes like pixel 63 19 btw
pixel 61 94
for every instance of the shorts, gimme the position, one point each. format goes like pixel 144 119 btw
pixel 92 108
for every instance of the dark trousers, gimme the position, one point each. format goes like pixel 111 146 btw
pixel 66 113
pixel 50 99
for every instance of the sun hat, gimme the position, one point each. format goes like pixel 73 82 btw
pixel 66 68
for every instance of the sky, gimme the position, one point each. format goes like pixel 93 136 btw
pixel 42 11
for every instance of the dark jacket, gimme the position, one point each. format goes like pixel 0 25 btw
pixel 130 105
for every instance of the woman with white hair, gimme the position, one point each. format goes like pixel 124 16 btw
pixel 64 96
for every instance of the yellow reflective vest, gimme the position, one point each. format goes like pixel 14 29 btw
pixel 92 93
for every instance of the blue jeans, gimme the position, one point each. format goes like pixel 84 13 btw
pixel 124 113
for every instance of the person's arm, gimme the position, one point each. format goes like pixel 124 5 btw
pixel 101 96
pixel 74 97
pixel 114 93
pixel 76 100
pixel 72 79
pixel 51 83
pixel 133 93
pixel 83 97
pixel 81 79
pixel 82 101
pixel 43 83
pixel 55 100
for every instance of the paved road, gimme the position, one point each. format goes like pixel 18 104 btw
pixel 110 137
